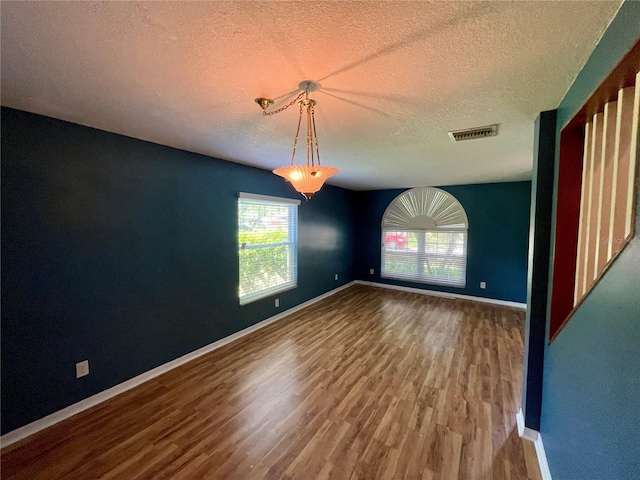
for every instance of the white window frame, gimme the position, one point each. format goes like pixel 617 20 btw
pixel 413 215
pixel 292 242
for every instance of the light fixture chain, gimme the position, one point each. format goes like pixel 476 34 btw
pixel 295 141
pixel 309 137
pixel 315 135
pixel 284 107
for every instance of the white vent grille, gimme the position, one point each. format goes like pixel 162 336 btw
pixel 473 133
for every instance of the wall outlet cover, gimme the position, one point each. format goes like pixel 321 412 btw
pixel 82 368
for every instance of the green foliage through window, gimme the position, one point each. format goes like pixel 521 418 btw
pixel 429 257
pixel 267 241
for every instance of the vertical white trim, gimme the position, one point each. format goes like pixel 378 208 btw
pixel 577 290
pixel 614 184
pixel 632 159
pixel 542 459
pixel 587 218
pixel 520 422
pixel 534 437
pixel 623 117
pixel 609 126
pixel 609 162
pixel 594 195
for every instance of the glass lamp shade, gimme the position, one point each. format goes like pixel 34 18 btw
pixel 306 179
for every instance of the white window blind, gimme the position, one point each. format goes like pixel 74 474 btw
pixel 424 238
pixel 267 245
pixel 429 257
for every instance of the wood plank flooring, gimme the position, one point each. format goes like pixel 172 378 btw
pixel 368 384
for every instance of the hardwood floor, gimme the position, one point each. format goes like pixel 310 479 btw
pixel 368 384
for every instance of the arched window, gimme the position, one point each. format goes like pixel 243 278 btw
pixel 424 238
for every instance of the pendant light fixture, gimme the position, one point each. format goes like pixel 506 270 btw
pixel 306 178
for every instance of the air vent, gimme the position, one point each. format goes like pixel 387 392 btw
pixel 473 133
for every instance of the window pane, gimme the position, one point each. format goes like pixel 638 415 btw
pixel 400 265
pixel 253 238
pixel 430 257
pixel 267 240
pixel 263 268
pixel 395 240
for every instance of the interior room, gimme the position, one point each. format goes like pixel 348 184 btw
pixel 352 240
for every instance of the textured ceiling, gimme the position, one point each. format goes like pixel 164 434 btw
pixel 394 76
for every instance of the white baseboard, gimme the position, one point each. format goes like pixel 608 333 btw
pixel 520 422
pixel 435 293
pixel 534 437
pixel 49 420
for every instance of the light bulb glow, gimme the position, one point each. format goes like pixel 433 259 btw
pixel 306 179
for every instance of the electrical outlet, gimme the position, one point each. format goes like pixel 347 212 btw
pixel 82 368
pixel 335 277
pixel 483 284
pixel 371 271
pixel 277 302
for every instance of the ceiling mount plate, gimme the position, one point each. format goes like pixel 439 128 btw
pixel 264 102
pixel 309 85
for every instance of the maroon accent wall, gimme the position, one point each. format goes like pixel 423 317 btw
pixel 567 218
pixel 569 189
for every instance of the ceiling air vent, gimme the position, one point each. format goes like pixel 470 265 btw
pixel 473 133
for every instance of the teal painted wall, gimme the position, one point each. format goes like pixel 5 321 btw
pixel 124 252
pixel 497 245
pixel 591 384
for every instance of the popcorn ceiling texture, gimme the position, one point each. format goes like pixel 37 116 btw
pixel 395 77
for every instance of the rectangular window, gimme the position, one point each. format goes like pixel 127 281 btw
pixel 267 245
pixel 438 257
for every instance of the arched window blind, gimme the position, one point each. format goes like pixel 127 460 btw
pixel 424 238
